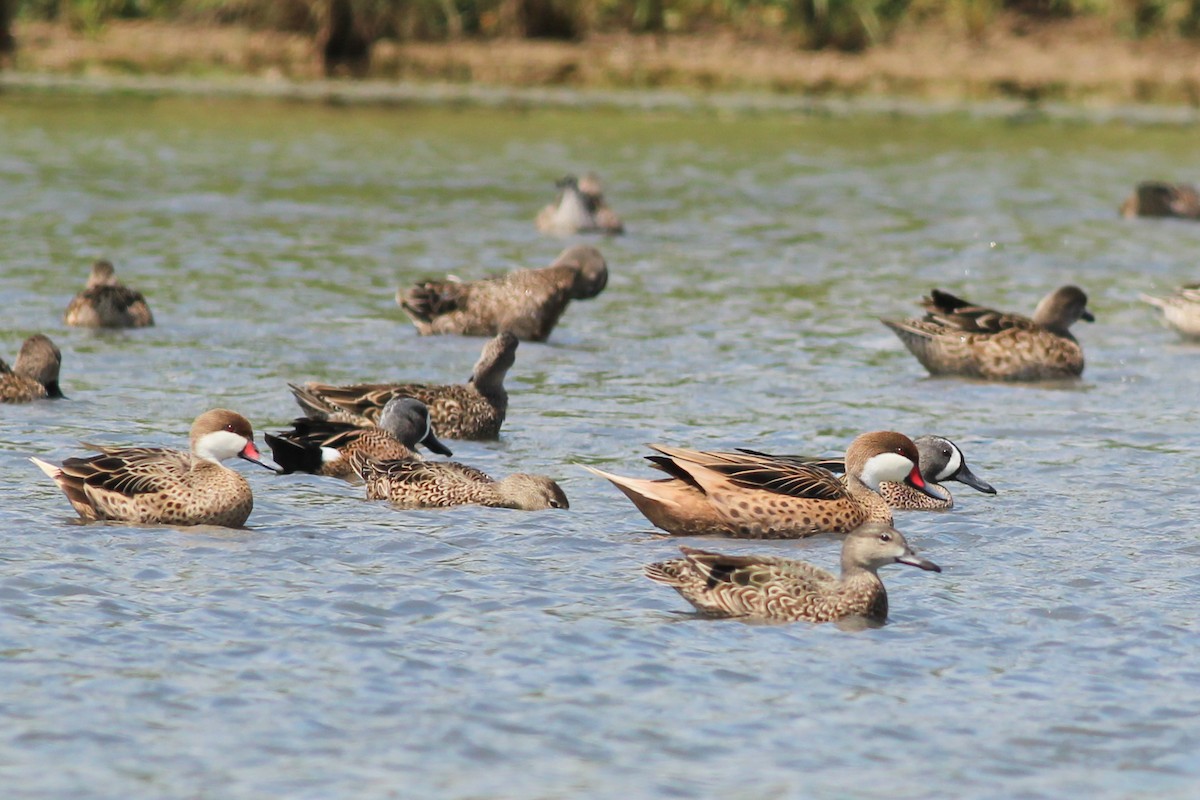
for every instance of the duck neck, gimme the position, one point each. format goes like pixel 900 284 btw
pixel 863 591
pixel 490 384
pixel 876 509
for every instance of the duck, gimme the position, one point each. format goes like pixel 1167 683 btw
pixel 759 496
pixel 323 447
pixel 1180 310
pixel 474 410
pixel 161 486
pixel 941 460
pixel 1162 199
pixel 35 376
pixel 526 302
pixel 774 589
pixel 108 303
pixel 956 337
pixel 579 208
pixel 406 483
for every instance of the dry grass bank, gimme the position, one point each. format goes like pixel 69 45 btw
pixel 1075 61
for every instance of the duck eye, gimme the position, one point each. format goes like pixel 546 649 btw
pixel 229 427
pixel 555 504
pixel 885 537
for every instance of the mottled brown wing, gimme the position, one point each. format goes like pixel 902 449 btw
pixel 757 570
pixel 837 465
pixel 414 473
pixel 430 299
pixel 112 301
pixel 130 470
pixel 365 400
pixel 764 471
pixel 323 432
pixel 953 312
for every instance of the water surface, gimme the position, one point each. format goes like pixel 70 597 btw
pixel 339 648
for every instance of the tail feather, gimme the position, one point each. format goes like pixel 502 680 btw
pixel 1157 302
pixel 72 486
pixel 50 469
pixel 666 572
pixel 294 456
pixel 430 299
pixel 311 404
pixel 639 490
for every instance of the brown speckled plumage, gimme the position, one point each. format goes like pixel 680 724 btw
pixel 323 447
pixel 1161 199
pixel 156 485
pixel 475 410
pixel 35 375
pixel 108 303
pixel 751 495
pixel 1181 310
pixel 526 303
pixel 442 484
pixel 958 338
pixel 783 590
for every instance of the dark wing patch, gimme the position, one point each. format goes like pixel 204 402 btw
pixel 783 477
pixel 430 299
pixel 943 308
pixel 129 470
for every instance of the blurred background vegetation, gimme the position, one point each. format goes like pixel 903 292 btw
pixel 346 29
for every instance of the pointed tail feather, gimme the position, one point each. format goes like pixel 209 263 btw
pixel 293 456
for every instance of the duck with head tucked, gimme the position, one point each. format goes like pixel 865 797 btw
pixel 157 485
pixel 443 484
pixel 956 337
pixel 107 303
pixel 1162 199
pixel 474 410
pixel 324 447
pixel 526 303
pixel 1180 310
pixel 35 375
pixel 579 208
pixel 772 589
pixel 941 461
pixel 759 496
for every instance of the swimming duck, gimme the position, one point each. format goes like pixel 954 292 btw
pixel 35 376
pixel 108 303
pixel 157 485
pixel 958 338
pixel 760 496
pixel 526 302
pixel 1161 199
pixel 474 410
pixel 1181 310
pixel 579 208
pixel 941 460
pixel 768 588
pixel 442 484
pixel 323 447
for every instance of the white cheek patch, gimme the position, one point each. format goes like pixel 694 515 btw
pixel 885 467
pixel 955 464
pixel 220 445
